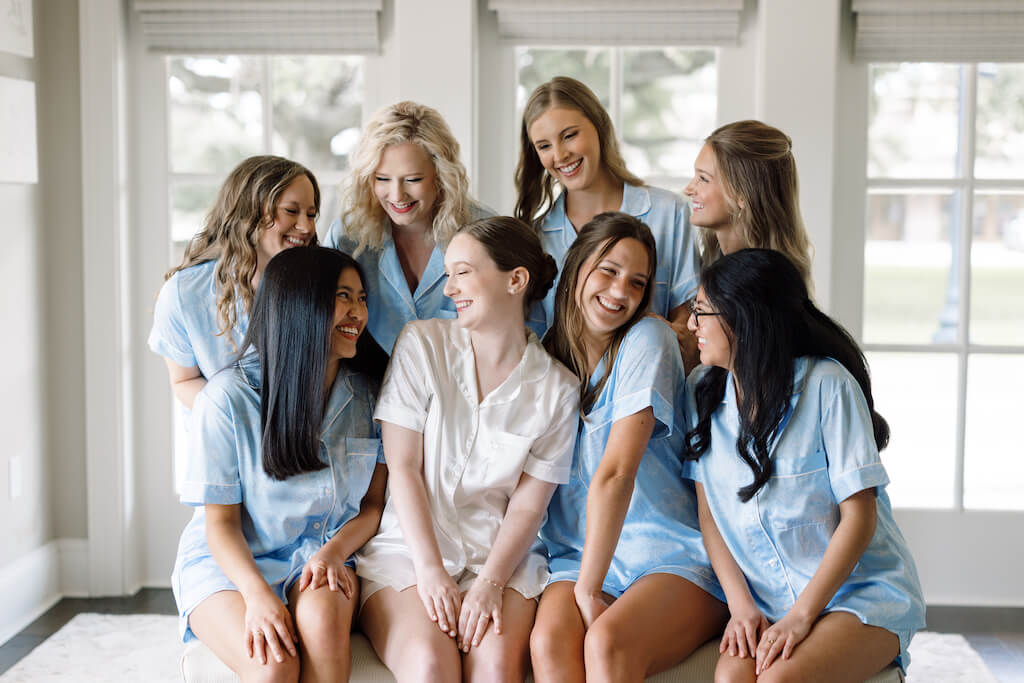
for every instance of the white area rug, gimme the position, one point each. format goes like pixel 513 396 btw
pixel 145 647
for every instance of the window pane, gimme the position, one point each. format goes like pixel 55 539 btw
pixel 993 462
pixel 668 108
pixel 1000 143
pixel 190 202
pixel 921 456
pixel 318 109
pixel 914 111
pixel 216 112
pixel 911 295
pixel 997 269
pixel 589 65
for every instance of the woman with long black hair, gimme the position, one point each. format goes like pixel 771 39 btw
pixel 285 466
pixel 790 488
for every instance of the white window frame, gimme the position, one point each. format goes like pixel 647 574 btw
pixel 616 91
pixel 328 179
pixel 966 184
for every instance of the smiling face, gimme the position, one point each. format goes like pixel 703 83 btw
pixel 709 207
pixel 349 314
pixel 482 293
pixel 713 338
pixel 405 183
pixel 294 220
pixel 609 288
pixel 568 146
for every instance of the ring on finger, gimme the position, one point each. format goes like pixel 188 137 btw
pixel 256 633
pixel 771 641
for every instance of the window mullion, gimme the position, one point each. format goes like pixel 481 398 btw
pixel 615 87
pixel 268 107
pixel 968 117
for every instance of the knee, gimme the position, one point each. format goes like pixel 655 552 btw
pixel 549 642
pixel 777 674
pixel 501 667
pixel 325 630
pixel 421 661
pixel 602 646
pixel 273 672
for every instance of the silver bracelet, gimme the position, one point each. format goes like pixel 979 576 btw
pixel 497 585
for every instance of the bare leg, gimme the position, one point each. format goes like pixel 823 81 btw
pixel 503 657
pixel 219 622
pixel 324 620
pixel 839 648
pixel 657 623
pixel 406 640
pixel 556 643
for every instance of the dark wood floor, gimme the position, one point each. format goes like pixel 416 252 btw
pixel 996 633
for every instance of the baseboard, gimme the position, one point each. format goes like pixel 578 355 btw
pixel 74 567
pixel 31 586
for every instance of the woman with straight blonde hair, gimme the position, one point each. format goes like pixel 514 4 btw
pixel 266 204
pixel 405 197
pixel 567 139
pixel 745 194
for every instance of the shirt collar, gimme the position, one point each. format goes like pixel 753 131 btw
pixel 800 368
pixel 389 265
pixel 337 399
pixel 535 363
pixel 636 201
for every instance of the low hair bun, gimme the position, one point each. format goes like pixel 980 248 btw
pixel 546 275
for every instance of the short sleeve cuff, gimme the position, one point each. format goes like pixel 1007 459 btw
pixel 856 480
pixel 545 470
pixel 633 403
pixel 691 470
pixel 186 359
pixel 682 292
pixel 400 415
pixel 201 493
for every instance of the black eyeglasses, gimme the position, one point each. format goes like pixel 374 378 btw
pixel 697 314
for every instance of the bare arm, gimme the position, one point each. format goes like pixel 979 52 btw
pixel 186 382
pixel 611 489
pixel 745 620
pixel 403 449
pixel 687 340
pixel 268 624
pixel 325 566
pixel 858 517
pixel 518 531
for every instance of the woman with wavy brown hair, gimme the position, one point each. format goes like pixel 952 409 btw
pixel 266 204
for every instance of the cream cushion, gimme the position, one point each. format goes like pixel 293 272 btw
pixel 199 665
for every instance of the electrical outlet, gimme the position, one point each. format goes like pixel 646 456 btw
pixel 15 483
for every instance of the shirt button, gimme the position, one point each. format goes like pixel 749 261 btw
pixel 316 525
pixel 773 563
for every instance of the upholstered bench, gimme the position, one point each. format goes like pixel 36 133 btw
pixel 199 665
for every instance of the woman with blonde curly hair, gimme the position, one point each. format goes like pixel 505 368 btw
pixel 745 194
pixel 406 195
pixel 266 205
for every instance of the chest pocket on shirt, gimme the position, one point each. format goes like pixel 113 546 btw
pixel 801 494
pixel 506 456
pixel 659 296
pixel 358 465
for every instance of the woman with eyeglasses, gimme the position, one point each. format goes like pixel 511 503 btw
pixel 783 446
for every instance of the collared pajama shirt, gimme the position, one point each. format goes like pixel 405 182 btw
pixel 284 522
pixel 474 451
pixel 825 455
pixel 661 532
pixel 388 298
pixel 666 214
pixel 185 327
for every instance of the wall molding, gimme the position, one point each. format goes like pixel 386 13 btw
pixel 37 580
